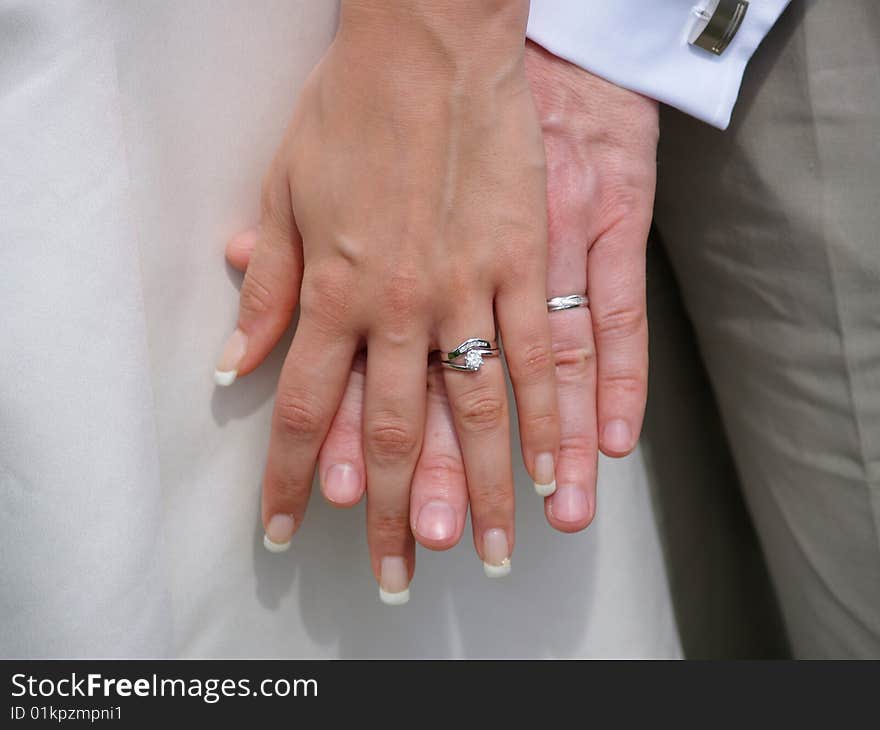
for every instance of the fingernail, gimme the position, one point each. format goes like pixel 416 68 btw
pixel 278 533
pixel 436 521
pixel 342 484
pixel 545 475
pixel 570 504
pixel 496 553
pixel 616 436
pixel 233 352
pixel 394 583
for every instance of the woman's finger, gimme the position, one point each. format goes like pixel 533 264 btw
pixel 394 420
pixel 341 460
pixel 620 327
pixel 439 500
pixel 480 412
pixel 525 329
pixel 269 292
pixel 309 392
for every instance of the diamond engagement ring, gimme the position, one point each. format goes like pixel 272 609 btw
pixel 571 301
pixel 468 356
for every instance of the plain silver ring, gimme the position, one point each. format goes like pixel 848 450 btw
pixel 570 301
pixel 468 356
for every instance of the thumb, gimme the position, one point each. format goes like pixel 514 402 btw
pixel 240 248
pixel 270 290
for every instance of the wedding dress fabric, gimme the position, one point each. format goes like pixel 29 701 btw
pixel 133 137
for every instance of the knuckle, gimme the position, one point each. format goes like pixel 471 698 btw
pixel 481 411
pixel 390 525
pixel 621 203
pixel 390 438
pixel 629 382
pixel 620 323
pixel 403 297
pixel 328 283
pixel 627 200
pixel 534 363
pixel 298 416
pixel 457 280
pixel 325 297
pixel 493 500
pixel 402 288
pixel 546 424
pixel 574 364
pixel 522 263
pixel 442 468
pixel 581 449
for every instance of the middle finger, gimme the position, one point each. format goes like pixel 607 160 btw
pixel 394 419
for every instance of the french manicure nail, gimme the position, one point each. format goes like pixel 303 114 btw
pixel 278 533
pixel 436 521
pixel 545 475
pixel 233 353
pixel 570 504
pixel 496 553
pixel 394 582
pixel 342 484
pixel 616 436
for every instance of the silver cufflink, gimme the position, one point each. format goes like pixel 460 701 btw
pixel 717 22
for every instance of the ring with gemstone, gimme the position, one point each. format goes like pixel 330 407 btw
pixel 468 356
pixel 571 301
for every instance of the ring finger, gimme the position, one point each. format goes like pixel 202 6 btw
pixel 573 505
pixel 480 413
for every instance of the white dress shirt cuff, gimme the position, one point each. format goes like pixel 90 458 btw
pixel 642 45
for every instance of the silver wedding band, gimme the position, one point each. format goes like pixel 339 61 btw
pixel 468 356
pixel 571 301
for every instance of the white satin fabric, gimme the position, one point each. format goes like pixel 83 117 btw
pixel 133 137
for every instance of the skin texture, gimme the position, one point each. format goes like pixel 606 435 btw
pixel 600 143
pixel 405 211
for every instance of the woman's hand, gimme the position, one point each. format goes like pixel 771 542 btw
pixel 407 208
pixel 601 145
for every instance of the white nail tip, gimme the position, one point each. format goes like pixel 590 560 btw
pixel 394 599
pixel 225 378
pixel 545 490
pixel 497 571
pixel 275 547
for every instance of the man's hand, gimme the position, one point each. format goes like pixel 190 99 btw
pixel 601 147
